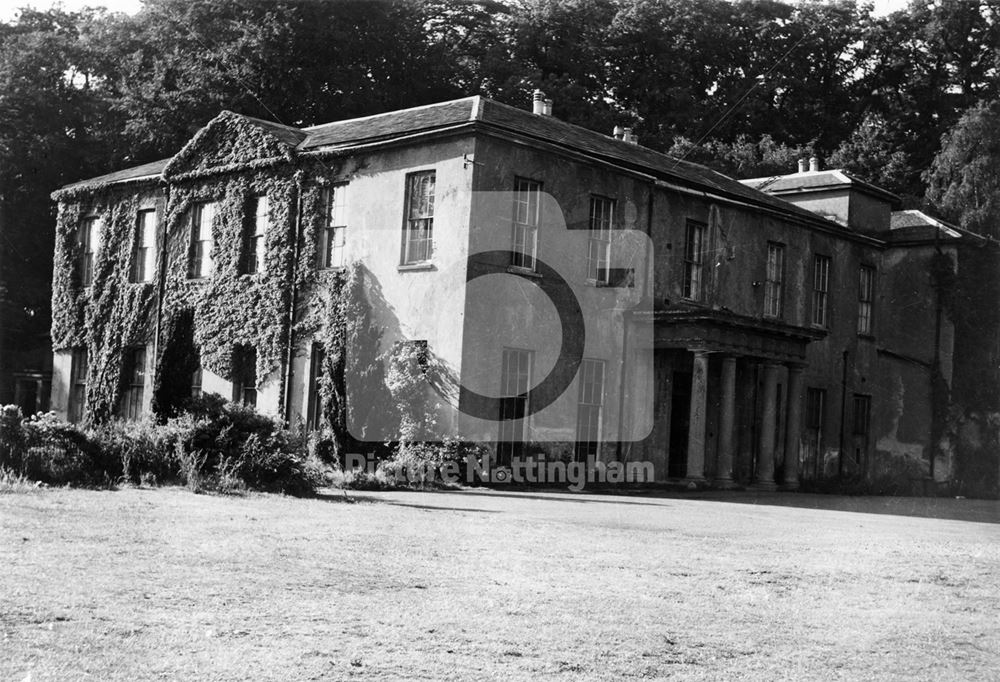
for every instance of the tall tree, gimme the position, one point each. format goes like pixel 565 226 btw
pixel 920 67
pixel 964 179
pixel 298 62
pixel 50 133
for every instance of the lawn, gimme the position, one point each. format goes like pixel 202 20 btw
pixel 164 584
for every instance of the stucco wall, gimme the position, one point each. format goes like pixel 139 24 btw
pixel 505 310
pixel 408 303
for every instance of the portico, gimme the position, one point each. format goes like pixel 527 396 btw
pixel 729 394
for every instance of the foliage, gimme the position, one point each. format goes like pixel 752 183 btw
pixel 964 180
pixel 215 446
pixel 342 321
pixel 744 157
pixel 112 313
pixel 870 154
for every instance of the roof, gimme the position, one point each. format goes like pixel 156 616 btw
pixel 917 225
pixel 544 128
pixel 287 134
pixel 833 178
pixel 494 115
pixel 153 169
pixel 390 124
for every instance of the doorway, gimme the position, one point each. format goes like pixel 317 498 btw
pixel 680 408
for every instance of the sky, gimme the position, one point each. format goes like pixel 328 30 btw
pixel 8 8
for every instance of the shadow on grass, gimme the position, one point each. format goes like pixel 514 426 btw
pixel 981 511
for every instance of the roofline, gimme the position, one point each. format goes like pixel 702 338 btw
pixel 475 111
pixel 638 170
pixel 806 217
pixel 846 180
pixel 943 224
pixel 795 213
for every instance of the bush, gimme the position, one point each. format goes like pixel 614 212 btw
pixel 420 464
pixel 61 453
pixel 215 446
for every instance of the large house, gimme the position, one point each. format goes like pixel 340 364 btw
pixel 582 296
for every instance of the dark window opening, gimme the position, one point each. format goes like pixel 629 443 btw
pixel 245 376
pixel 694 247
pixel 134 370
pixel 78 385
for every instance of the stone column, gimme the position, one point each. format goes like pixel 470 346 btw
pixel 696 422
pixel 793 426
pixel 768 423
pixel 727 417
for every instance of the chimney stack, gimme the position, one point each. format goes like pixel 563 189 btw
pixel 618 132
pixel 538 103
pixel 626 134
pixel 814 164
pixel 803 165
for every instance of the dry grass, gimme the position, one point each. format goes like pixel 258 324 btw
pixel 164 584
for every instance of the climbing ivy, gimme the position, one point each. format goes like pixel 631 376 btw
pixel 111 314
pixel 230 162
pixel 231 308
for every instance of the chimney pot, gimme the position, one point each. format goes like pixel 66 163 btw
pixel 547 107
pixel 803 165
pixel 538 102
pixel 618 132
pixel 627 134
pixel 814 164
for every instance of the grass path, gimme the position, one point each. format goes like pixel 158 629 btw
pixel 164 584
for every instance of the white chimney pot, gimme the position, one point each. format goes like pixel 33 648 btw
pixel 538 102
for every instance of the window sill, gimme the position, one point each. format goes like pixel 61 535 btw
pixel 523 272
pixel 416 267
pixel 590 282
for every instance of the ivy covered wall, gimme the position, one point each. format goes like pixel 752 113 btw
pixel 113 313
pixel 230 162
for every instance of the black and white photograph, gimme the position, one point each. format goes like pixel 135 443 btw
pixel 499 340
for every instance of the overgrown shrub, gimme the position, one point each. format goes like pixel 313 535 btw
pixel 216 446
pixel 61 453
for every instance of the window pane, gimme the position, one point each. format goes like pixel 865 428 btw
pixel 203 216
pixel 315 415
pixel 599 252
pixel 821 287
pixel 515 380
pixel 525 229
pixel 591 402
pixel 693 255
pixel 143 263
pixel 262 218
pixel 417 240
pixel 135 376
pixel 245 375
pixel 774 281
pixel 78 387
pixel 866 281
